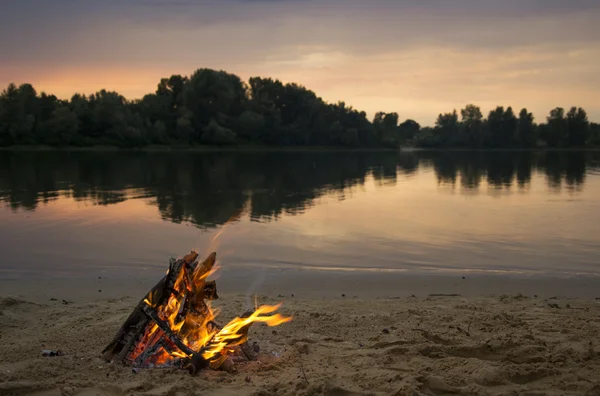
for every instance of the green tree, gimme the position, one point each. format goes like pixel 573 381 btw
pixel 577 127
pixel 526 131
pixel 446 129
pixel 170 100
pixel 214 94
pixel 510 124
pixel 472 123
pixel 46 106
pixel 213 133
pixel 250 125
pixel 60 129
pixel 9 115
pixel 215 107
pixel 80 105
pixel 385 127
pixel 427 138
pixel 494 126
pixel 108 118
pixel 408 130
pixel 157 132
pixel 555 131
pixel 356 129
pixel 502 127
pixel 594 139
pixel 20 113
pixel 350 137
pixel 184 131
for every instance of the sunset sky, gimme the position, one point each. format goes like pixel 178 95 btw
pixel 415 57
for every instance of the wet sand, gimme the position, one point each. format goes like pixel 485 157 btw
pixel 369 342
pixel 305 284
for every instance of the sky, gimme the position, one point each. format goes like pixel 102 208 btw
pixel 415 57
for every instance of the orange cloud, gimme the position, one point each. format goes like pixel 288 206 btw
pixel 132 82
pixel 418 83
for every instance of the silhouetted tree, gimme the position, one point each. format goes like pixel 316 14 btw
pixel 8 115
pixel 61 128
pixel 577 126
pixel 408 130
pixel 215 107
pixel 19 109
pixel 496 128
pixel 555 131
pixel 385 126
pixel 526 132
pixel 214 94
pixel 427 137
pixel 214 133
pixel 594 134
pixel 447 129
pixel 472 123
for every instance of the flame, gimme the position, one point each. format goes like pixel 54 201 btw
pixel 235 333
pixel 215 240
pixel 194 327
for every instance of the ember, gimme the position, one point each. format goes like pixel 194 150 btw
pixel 173 326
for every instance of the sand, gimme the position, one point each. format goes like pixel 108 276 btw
pixel 427 345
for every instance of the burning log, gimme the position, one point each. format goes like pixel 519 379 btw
pixel 173 326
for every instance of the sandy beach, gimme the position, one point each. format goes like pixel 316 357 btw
pixel 422 345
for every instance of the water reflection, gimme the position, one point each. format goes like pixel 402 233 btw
pixel 208 189
pixel 509 169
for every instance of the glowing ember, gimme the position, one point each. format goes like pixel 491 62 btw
pixel 174 325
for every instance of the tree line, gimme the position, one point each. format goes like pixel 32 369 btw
pixel 217 108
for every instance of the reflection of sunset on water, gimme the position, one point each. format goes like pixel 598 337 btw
pixel 319 211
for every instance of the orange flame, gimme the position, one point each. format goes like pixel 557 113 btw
pixel 235 333
pixel 195 328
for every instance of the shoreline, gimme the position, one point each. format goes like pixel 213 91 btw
pixel 306 284
pixel 434 345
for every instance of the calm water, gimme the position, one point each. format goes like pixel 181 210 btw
pixel 89 213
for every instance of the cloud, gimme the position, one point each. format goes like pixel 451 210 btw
pixel 125 31
pixel 423 56
pixel 420 83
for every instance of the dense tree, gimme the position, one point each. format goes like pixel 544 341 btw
pixel 594 132
pixel 385 126
pixel 447 129
pixel 472 122
pixel 19 108
pixel 427 138
pixel 217 108
pixel 27 112
pixel 555 131
pixel 408 130
pixel 502 127
pixel 577 127
pixel 60 129
pixel 214 94
pixel 5 115
pixel 526 133
pixel 163 109
pixel 214 133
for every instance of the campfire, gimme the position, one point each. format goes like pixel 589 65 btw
pixel 174 325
